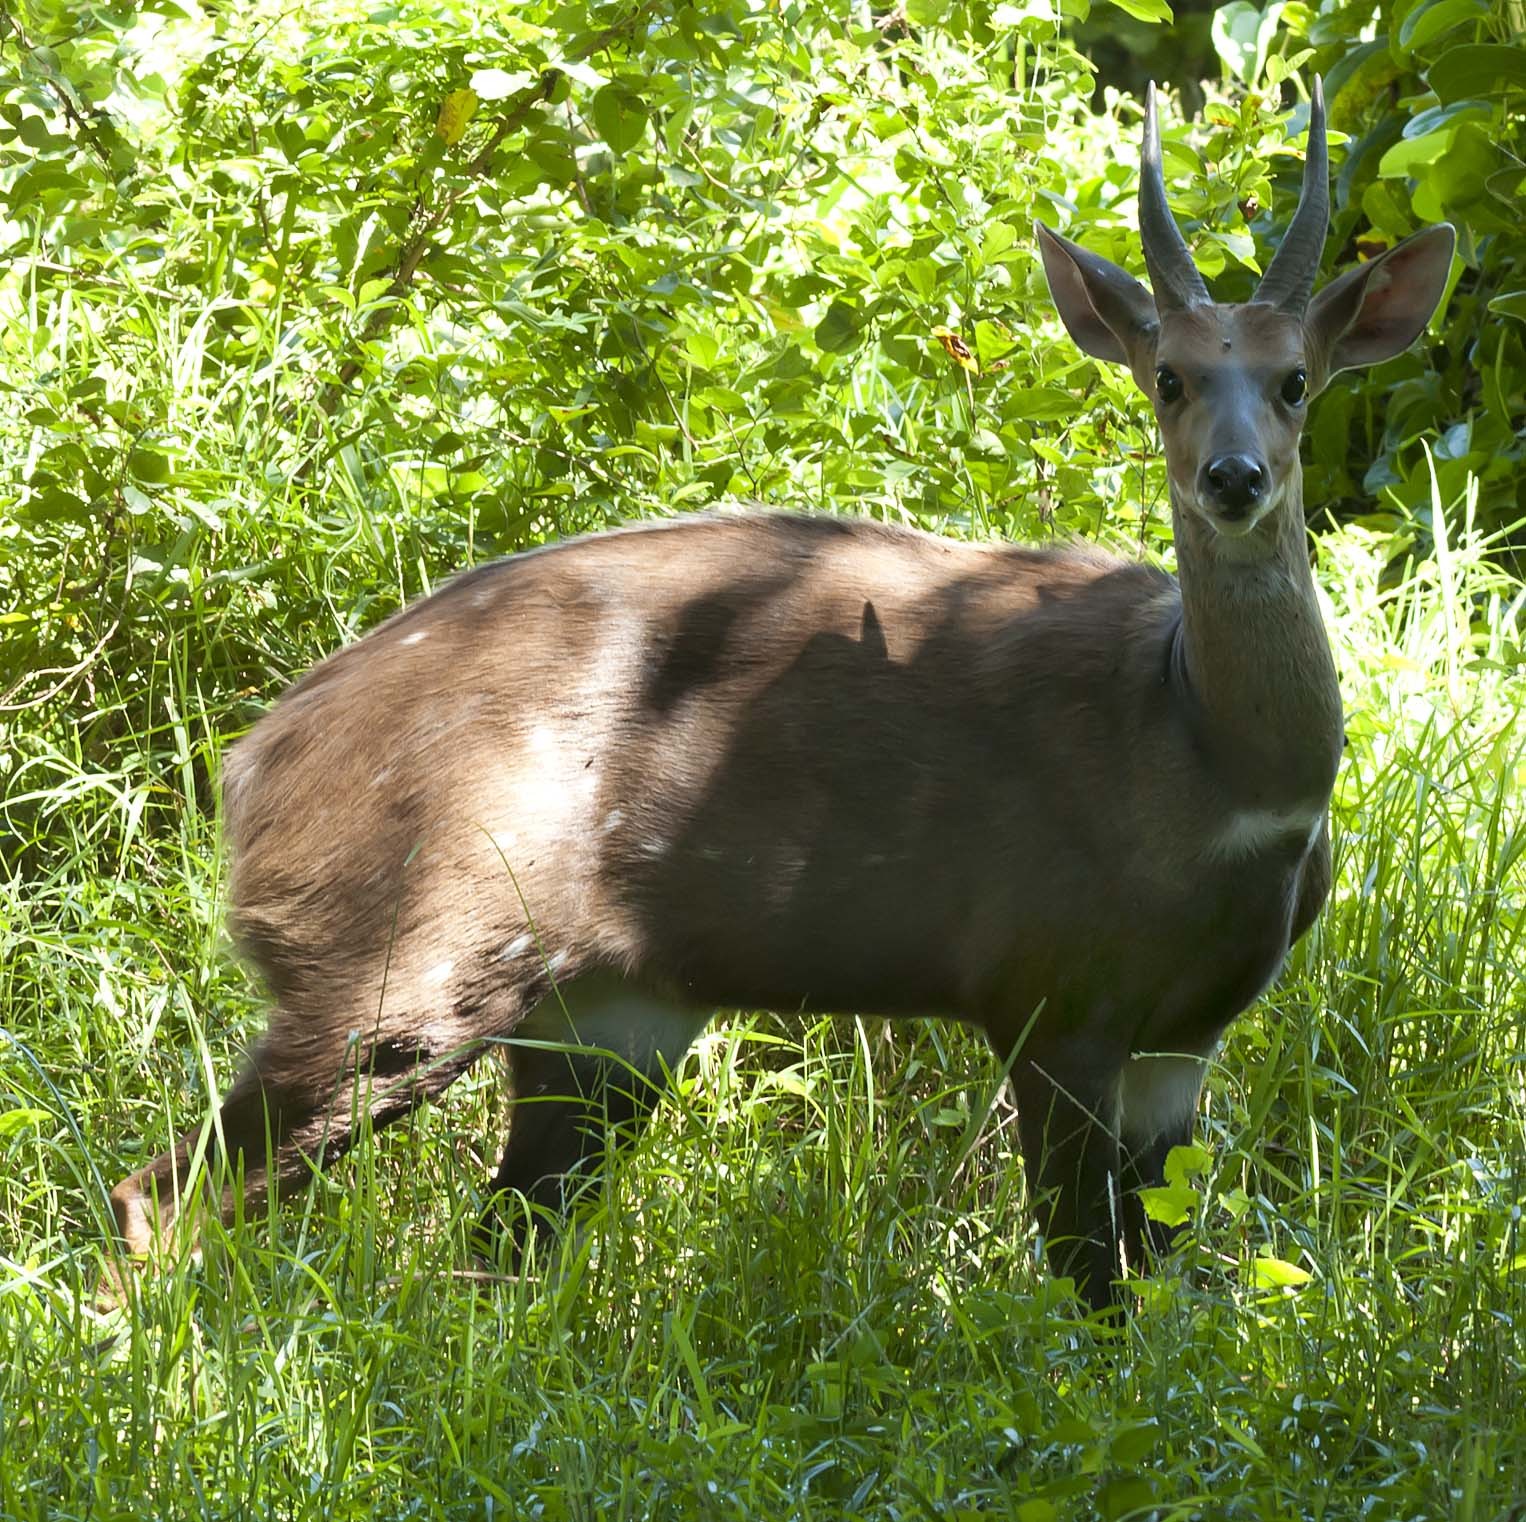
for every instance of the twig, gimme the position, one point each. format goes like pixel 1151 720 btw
pixel 67 676
pixel 423 224
pixel 87 129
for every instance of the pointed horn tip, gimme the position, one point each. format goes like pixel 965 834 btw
pixel 1150 151
pixel 1317 104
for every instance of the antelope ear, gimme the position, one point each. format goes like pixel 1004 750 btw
pixel 1378 309
pixel 1104 308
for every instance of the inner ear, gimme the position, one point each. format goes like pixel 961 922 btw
pixel 1380 308
pixel 1104 308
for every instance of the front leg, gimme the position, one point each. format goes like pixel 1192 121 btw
pixel 1158 1100
pixel 1067 1117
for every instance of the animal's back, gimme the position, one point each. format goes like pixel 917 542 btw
pixel 718 710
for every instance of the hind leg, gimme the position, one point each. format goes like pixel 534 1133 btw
pixel 582 1096
pixel 147 1203
pixel 291 1109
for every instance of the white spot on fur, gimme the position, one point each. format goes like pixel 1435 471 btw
pixel 553 780
pixel 384 775
pixel 613 819
pixel 1252 830
pixel 784 880
pixel 438 974
pixel 417 637
pixel 1158 1093
pixel 517 947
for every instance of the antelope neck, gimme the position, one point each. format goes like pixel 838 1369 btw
pixel 1254 663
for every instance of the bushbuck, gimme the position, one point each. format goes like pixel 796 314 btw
pixel 582 797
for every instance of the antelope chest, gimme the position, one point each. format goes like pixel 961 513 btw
pixel 1235 924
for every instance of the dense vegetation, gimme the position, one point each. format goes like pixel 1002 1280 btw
pixel 301 309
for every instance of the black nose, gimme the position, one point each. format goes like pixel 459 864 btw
pixel 1233 482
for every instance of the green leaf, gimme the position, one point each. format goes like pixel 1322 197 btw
pixel 12 1121
pixel 1072 1430
pixel 1410 155
pixel 33 131
pixel 1144 10
pixel 1274 1273
pixel 1187 1162
pixel 1134 1442
pixel 1437 117
pixel 1172 1205
pixel 704 348
pixel 1242 34
pixel 620 115
pixel 149 465
pixel 1353 62
pixel 1429 21
pixel 838 331
pixel 996 240
pixel 1042 403
pixel 1129 1497
pixel 1477 69
pixel 1510 304
pixel 1459 178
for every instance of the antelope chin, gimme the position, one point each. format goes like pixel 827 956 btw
pixel 1238 536
pixel 1238 528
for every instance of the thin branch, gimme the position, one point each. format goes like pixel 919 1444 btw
pixel 69 675
pixel 85 118
pixel 424 224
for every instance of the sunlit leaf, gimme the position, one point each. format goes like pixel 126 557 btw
pixel 620 116
pixel 456 111
pixel 1144 10
pixel 1268 1272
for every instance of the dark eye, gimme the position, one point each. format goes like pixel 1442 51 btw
pixel 1294 387
pixel 1168 384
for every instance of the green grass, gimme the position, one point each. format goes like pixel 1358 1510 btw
pixel 813 1290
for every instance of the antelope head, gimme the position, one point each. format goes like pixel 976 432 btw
pixel 1231 384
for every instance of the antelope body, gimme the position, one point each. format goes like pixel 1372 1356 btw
pixel 591 793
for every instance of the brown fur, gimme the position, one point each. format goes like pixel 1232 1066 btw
pixel 744 761
pixel 813 763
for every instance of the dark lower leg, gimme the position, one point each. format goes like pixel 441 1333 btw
pixel 572 1111
pixel 1070 1153
pixel 147 1203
